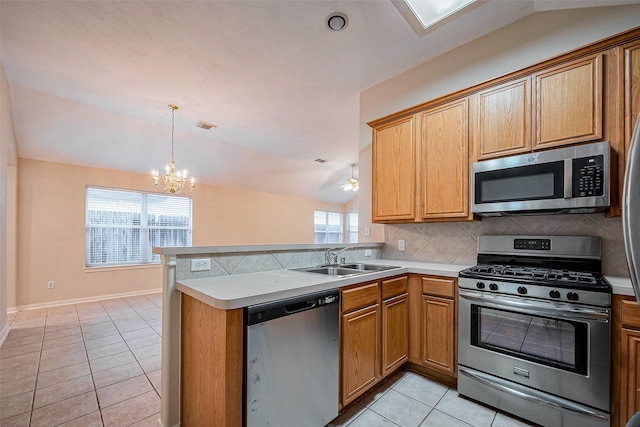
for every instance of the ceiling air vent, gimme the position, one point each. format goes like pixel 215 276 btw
pixel 205 125
pixel 321 161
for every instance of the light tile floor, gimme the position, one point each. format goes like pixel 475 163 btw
pixel 85 365
pixel 98 364
pixel 410 400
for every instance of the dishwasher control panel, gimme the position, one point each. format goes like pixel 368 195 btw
pixel 272 310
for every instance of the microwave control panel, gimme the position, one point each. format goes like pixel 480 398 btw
pixel 588 176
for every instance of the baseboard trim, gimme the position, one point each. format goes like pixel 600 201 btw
pixel 81 300
pixel 4 333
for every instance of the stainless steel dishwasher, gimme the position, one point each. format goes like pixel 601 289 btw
pixel 291 366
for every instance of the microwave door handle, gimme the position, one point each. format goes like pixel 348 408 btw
pixel 568 178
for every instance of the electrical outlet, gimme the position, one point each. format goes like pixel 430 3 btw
pixel 401 245
pixel 367 232
pixel 51 284
pixel 367 252
pixel 203 264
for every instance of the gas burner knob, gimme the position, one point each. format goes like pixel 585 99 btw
pixel 480 285
pixel 493 286
pixel 522 290
pixel 554 294
pixel 572 296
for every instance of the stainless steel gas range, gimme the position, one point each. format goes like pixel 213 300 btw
pixel 534 329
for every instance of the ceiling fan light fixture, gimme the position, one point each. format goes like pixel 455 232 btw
pixel 352 183
pixel 172 182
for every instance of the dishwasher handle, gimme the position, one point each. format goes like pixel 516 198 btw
pixel 260 313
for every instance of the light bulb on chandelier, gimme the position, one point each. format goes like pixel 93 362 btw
pixel 172 182
pixel 352 184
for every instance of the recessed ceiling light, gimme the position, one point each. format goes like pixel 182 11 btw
pixel 337 21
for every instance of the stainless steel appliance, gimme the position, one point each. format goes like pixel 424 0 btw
pixel 291 369
pixel 631 210
pixel 564 180
pixel 534 329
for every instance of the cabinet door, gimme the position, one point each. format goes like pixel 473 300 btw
pixel 438 336
pixel 360 351
pixel 504 120
pixel 394 171
pixel 631 89
pixel 395 332
pixel 568 103
pixel 445 162
pixel 630 374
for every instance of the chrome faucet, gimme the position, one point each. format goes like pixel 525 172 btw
pixel 331 256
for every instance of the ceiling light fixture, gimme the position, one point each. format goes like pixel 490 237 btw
pixel 337 21
pixel 352 183
pixel 172 182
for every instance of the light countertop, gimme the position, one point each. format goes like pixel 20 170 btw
pixel 242 290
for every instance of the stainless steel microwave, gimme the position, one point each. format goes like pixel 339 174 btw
pixel 563 180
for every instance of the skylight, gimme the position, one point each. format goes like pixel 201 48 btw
pixel 426 15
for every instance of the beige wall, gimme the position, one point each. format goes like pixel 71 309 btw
pixel 51 228
pixel 518 45
pixel 7 193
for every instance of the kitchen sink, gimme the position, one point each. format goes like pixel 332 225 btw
pixel 345 269
pixel 369 267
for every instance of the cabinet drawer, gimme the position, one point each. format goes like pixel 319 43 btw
pixel 630 313
pixel 439 287
pixel 394 287
pixel 360 296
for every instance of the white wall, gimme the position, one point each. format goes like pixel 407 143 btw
pixel 525 42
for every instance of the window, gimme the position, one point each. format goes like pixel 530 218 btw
pixel 327 227
pixel 123 226
pixel 352 227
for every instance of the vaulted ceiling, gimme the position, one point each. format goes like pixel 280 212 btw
pixel 90 82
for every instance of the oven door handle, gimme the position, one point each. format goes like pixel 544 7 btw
pixel 536 307
pixel 558 404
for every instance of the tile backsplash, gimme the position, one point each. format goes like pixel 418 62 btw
pixel 456 242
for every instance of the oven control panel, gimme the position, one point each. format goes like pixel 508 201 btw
pixel 532 244
pixel 602 299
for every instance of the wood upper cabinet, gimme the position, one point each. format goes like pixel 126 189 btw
pixel 444 148
pixel 631 89
pixel 568 103
pixel 395 324
pixel 504 120
pixel 394 171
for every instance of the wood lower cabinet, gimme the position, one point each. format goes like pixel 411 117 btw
pixel 437 334
pixel 374 334
pixel 625 360
pixel 360 351
pixel 395 324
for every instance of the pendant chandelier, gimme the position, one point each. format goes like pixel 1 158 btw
pixel 352 183
pixel 172 182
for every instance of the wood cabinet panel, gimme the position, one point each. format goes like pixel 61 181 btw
pixel 504 120
pixel 631 89
pixel 630 378
pixel 438 286
pixel 444 167
pixel 394 286
pixel 395 332
pixel 630 314
pixel 212 345
pixel 360 296
pixel 360 351
pixel 568 103
pixel 438 334
pixel 394 171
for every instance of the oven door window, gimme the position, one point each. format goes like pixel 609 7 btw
pixel 535 182
pixel 553 342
